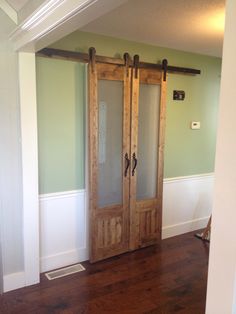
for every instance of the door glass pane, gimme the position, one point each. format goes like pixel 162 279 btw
pixel 148 126
pixel 110 101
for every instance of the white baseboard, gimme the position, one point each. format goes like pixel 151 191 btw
pixel 13 281
pixel 63 259
pixel 184 227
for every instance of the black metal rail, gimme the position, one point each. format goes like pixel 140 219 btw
pixel 84 57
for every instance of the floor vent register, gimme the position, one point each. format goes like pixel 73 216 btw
pixel 64 271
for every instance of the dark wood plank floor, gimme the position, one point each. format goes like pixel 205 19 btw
pixel 168 278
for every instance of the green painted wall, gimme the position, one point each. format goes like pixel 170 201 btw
pixel 61 123
pixel 61 114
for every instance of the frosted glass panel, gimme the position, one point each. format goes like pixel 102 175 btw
pixel 148 125
pixel 110 101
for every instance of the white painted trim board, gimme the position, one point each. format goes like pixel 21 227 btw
pixel 29 144
pixel 55 19
pixel 184 227
pixel 200 176
pixel 5 6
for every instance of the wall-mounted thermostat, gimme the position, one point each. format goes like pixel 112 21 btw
pixel 195 125
pixel 178 95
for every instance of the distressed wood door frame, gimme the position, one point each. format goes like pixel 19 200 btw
pixel 109 226
pixel 146 215
pixel 119 228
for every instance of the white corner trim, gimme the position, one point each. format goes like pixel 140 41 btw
pixel 14 281
pixel 184 227
pixel 209 175
pixel 29 147
pixel 4 5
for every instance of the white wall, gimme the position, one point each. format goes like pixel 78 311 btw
pixel 222 264
pixel 10 156
pixel 63 218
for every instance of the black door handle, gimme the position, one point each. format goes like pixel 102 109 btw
pixel 127 164
pixel 135 160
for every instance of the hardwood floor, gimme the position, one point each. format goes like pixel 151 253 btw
pixel 168 278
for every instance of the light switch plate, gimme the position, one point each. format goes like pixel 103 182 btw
pixel 195 125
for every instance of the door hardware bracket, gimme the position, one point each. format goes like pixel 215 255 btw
pixel 164 68
pixel 92 57
pixel 136 64
pixel 127 62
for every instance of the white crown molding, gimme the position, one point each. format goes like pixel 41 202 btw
pixel 4 5
pixel 57 18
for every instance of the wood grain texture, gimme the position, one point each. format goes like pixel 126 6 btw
pixel 134 218
pixel 150 76
pixel 146 215
pixel 164 279
pixel 161 147
pixel 137 222
pixel 109 233
pixel 126 150
pixel 93 148
pixel 110 72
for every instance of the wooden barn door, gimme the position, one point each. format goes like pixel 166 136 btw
pixel 147 146
pixel 126 133
pixel 109 116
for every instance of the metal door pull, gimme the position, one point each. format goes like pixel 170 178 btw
pixel 135 160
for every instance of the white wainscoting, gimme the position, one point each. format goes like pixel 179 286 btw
pixel 63 229
pixel 187 203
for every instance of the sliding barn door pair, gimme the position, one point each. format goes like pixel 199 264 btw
pixel 126 143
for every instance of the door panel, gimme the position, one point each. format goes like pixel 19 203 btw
pixel 109 184
pixel 110 123
pixel 148 105
pixel 148 129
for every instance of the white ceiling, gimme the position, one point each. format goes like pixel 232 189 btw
pixel 189 25
pixel 17 4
